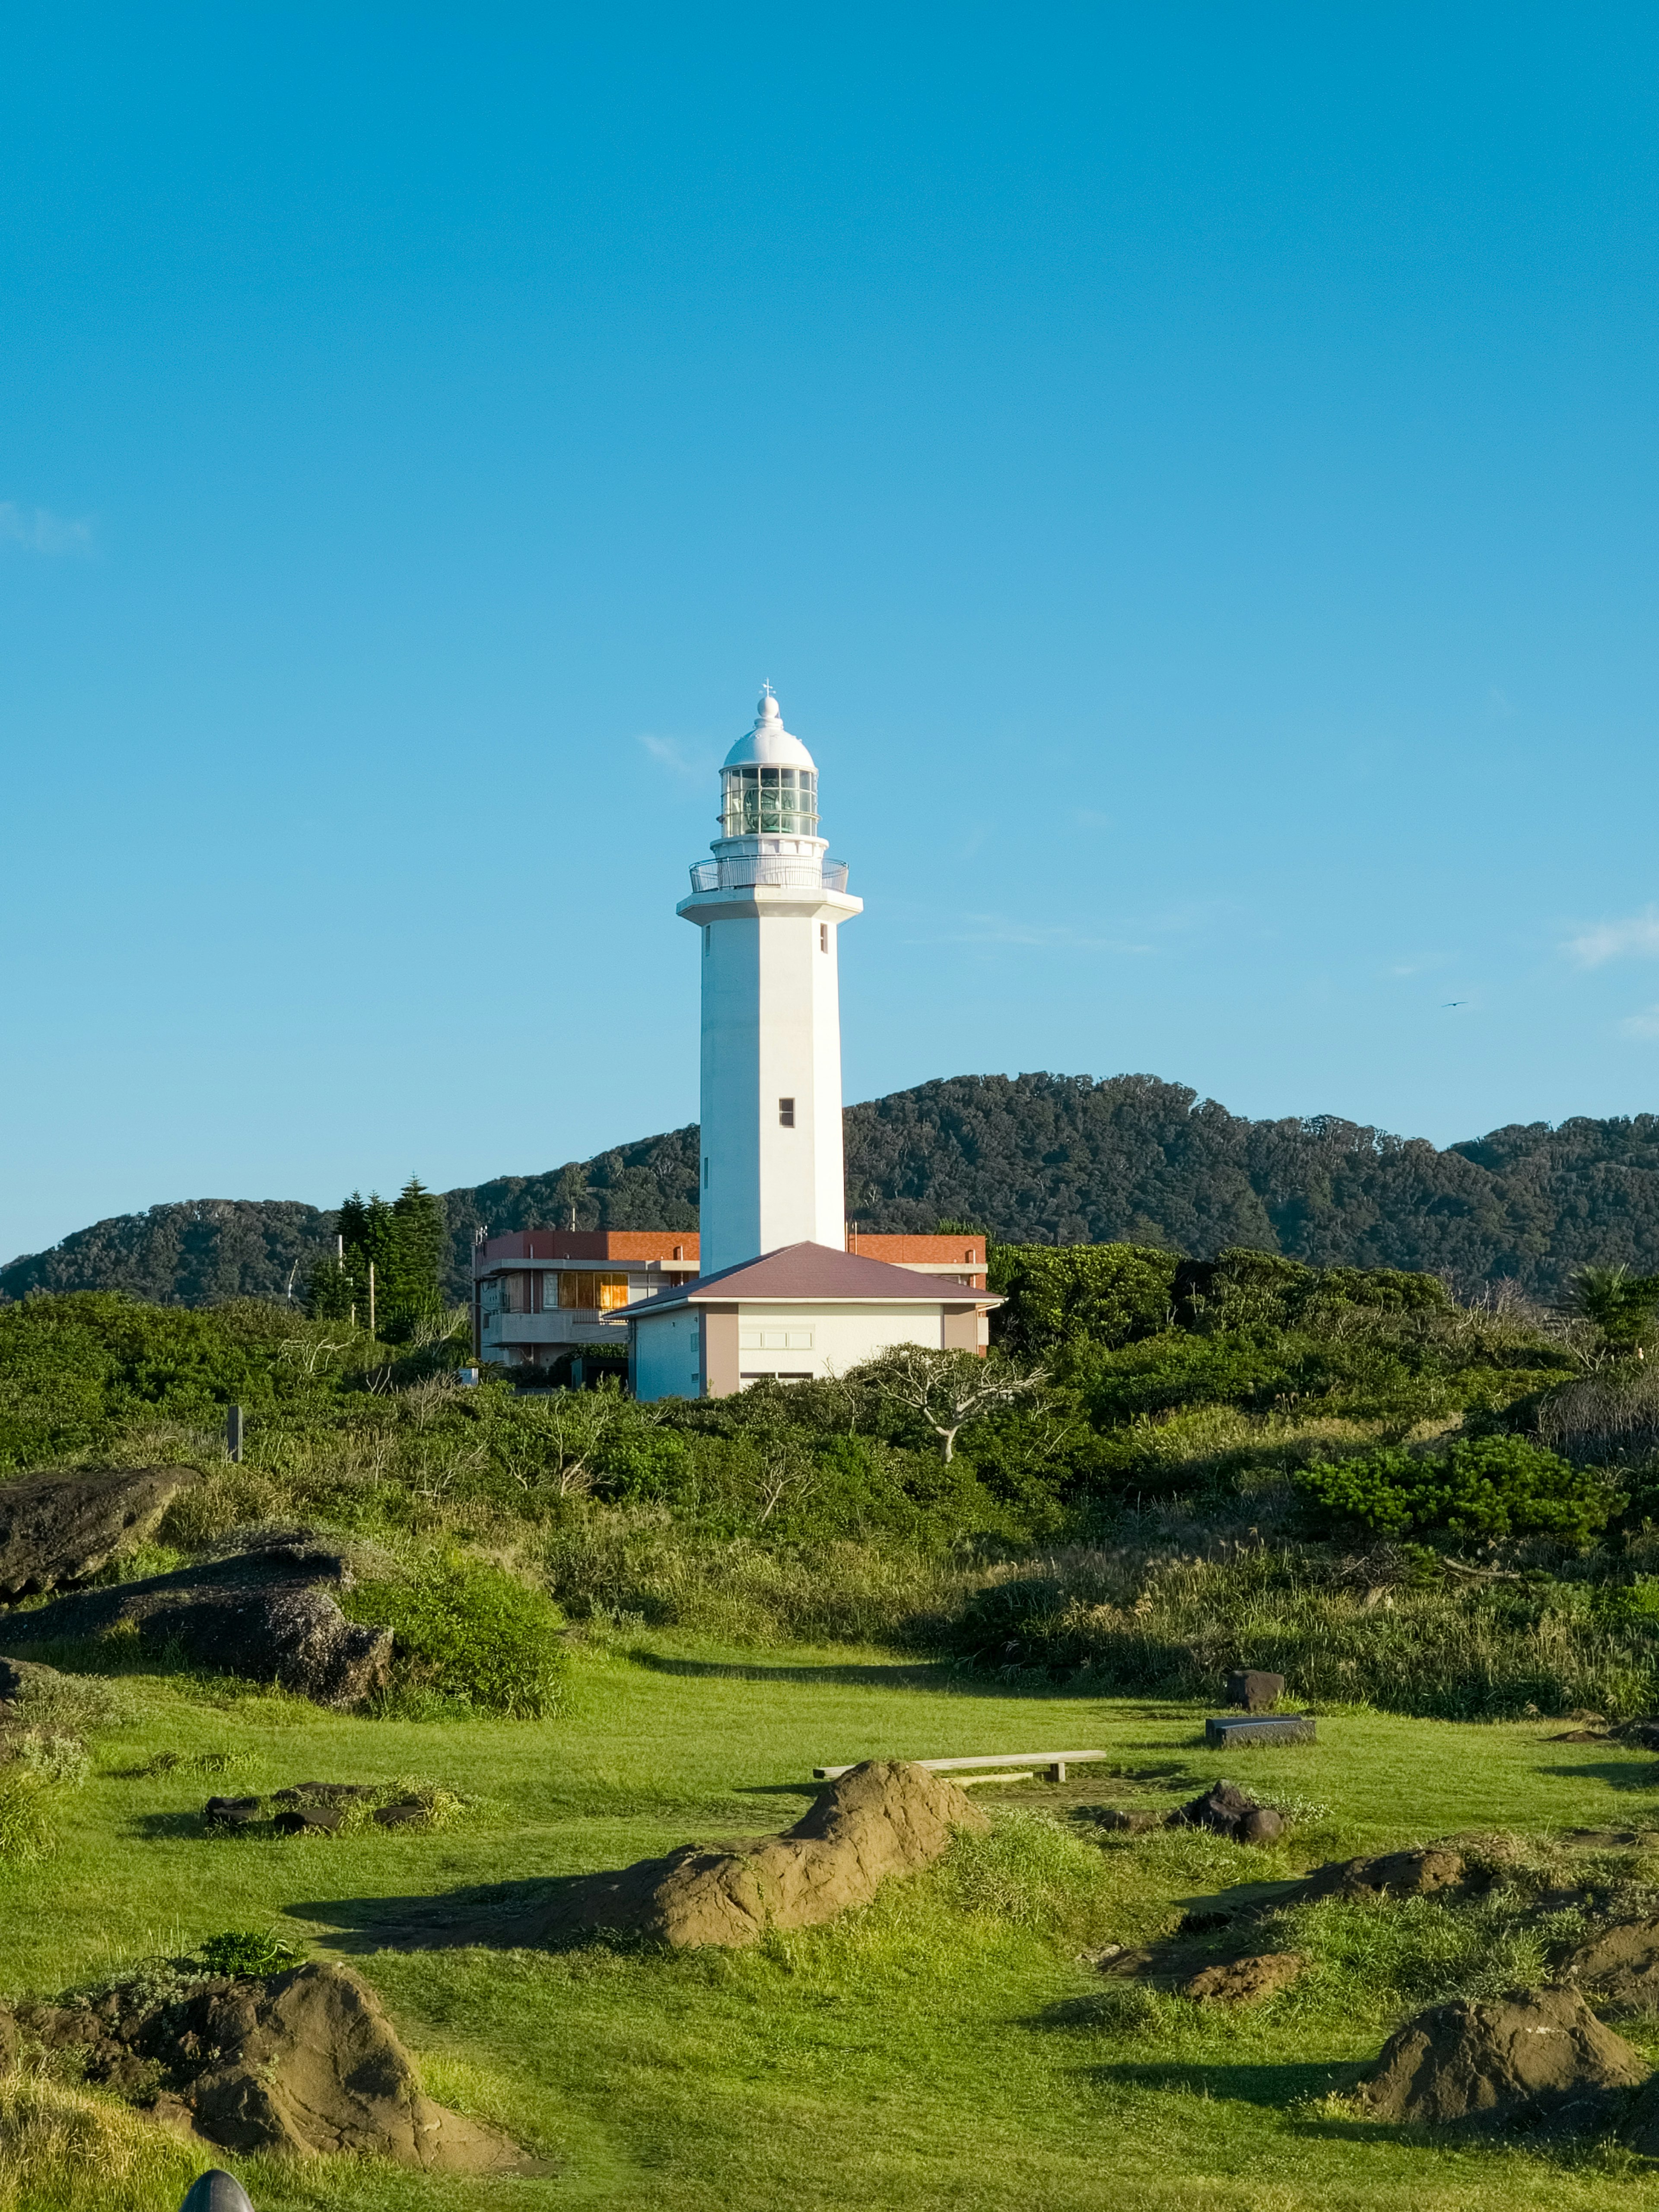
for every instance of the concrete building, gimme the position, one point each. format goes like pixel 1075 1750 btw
pixel 792 1316
pixel 543 1296
pixel 780 1295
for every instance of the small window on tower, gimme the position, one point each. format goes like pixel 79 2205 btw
pixel 824 937
pixel 787 1113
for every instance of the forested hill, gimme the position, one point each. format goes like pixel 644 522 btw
pixel 1035 1159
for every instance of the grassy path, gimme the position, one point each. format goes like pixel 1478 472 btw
pixel 945 2048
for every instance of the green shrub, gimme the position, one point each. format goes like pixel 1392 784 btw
pixel 1493 1487
pixel 468 1631
pixel 246 1951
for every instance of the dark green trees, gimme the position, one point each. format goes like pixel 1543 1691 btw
pixel 385 1273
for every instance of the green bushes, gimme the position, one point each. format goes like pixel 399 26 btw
pixel 1060 1294
pixel 1490 1487
pixel 1176 1627
pixel 467 1632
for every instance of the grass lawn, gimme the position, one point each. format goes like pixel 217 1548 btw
pixel 946 2048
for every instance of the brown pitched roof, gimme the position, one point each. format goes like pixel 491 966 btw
pixel 798 1274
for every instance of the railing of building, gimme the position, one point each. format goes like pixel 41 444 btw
pixel 746 870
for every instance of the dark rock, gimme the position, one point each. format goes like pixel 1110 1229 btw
pixel 1541 2055
pixel 260 1613
pixel 1262 1827
pixel 885 1818
pixel 1396 1873
pixel 403 1814
pixel 1224 1808
pixel 310 1820
pixel 1583 1735
pixel 1256 1693
pixel 1243 1981
pixel 61 1528
pixel 322 1793
pixel 235 1812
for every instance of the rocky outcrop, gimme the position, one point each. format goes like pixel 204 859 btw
pixel 1621 1967
pixel 298 2065
pixel 1539 2056
pixel 266 1613
pixel 1244 1981
pixel 61 1528
pixel 1396 1873
pixel 884 1818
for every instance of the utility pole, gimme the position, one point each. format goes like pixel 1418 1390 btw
pixel 233 1434
pixel 371 1297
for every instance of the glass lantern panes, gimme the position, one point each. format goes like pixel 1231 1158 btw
pixel 765 802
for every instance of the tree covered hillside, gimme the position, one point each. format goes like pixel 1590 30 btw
pixel 1034 1159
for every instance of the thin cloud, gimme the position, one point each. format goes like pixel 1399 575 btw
pixel 666 753
pixel 1637 936
pixel 1641 1025
pixel 41 530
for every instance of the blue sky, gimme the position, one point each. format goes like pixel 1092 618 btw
pixel 1188 472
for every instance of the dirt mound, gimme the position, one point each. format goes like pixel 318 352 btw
pixel 261 1613
pixel 887 1817
pixel 1542 2055
pixel 1396 1873
pixel 1621 1966
pixel 297 2063
pixel 1243 1981
pixel 60 1528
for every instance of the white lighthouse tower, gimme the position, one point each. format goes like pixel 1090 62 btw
pixel 770 908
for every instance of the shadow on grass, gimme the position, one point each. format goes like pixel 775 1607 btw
pixel 1616 1773
pixel 1277 2086
pixel 542 1914
pixel 899 1674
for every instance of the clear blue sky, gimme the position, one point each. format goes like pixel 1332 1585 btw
pixel 1188 472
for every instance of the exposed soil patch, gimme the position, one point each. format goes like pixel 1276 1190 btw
pixel 1619 1967
pixel 1539 2056
pixel 1245 1981
pixel 887 1817
pixel 1396 1873
pixel 301 2063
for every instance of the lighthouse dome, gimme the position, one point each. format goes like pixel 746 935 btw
pixel 768 744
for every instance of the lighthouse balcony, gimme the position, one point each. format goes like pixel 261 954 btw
pixel 743 872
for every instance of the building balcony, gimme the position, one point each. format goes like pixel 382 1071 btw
pixel 743 872
pixel 564 1327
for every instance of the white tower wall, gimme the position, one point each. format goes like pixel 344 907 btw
pixel 771 1033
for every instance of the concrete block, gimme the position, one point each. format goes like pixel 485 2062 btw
pixel 1225 1731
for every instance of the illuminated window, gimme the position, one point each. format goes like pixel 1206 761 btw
pixel 590 1291
pixel 768 801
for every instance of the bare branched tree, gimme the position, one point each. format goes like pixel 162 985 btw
pixel 948 1389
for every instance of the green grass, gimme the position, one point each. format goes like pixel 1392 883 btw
pixel 946 2047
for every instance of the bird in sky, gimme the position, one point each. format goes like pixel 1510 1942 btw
pixel 1453 1002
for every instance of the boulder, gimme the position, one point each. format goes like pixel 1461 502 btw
pixel 1256 1693
pixel 309 1820
pixel 1621 1966
pixel 263 1614
pixel 61 1528
pixel 1396 1873
pixel 295 2064
pixel 1243 1981
pixel 1230 1811
pixel 887 1817
pixel 1541 2056
pixel 234 1811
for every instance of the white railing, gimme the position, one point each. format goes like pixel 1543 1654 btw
pixel 746 870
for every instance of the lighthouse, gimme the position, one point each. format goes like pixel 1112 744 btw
pixel 778 1297
pixel 771 907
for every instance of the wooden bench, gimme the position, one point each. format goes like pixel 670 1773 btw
pixel 1056 1762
